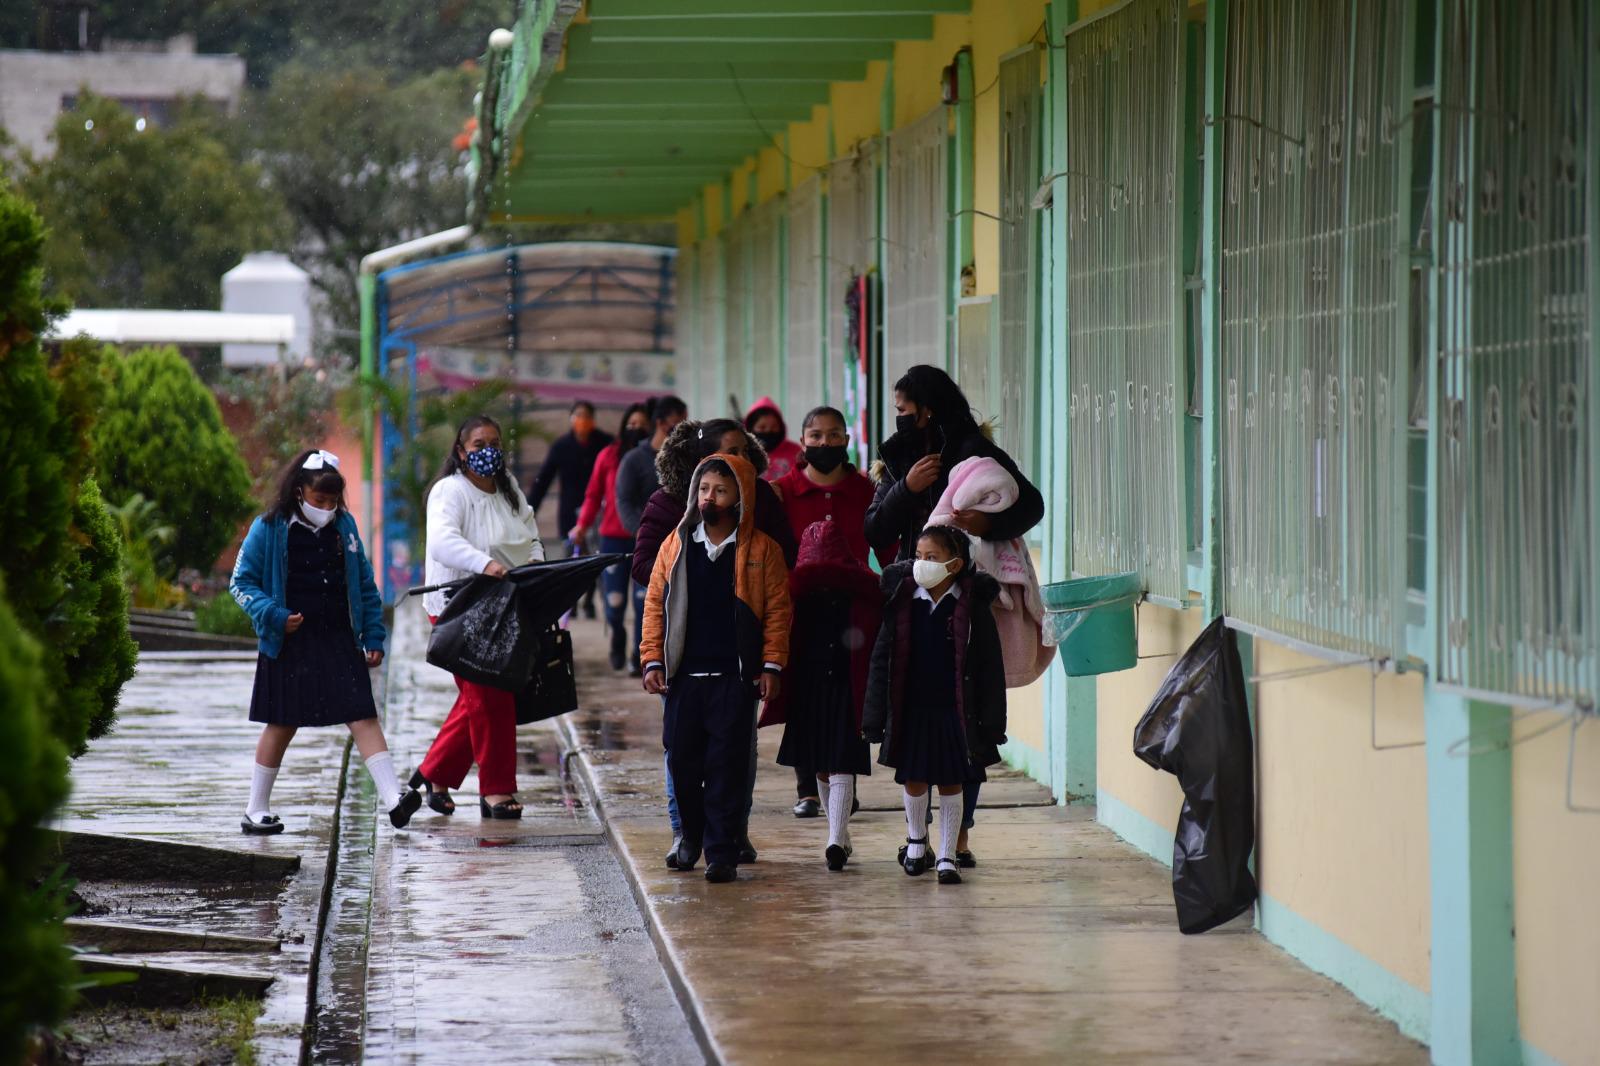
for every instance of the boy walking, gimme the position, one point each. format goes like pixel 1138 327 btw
pixel 716 637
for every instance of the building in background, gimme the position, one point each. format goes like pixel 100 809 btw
pixel 268 283
pixel 147 78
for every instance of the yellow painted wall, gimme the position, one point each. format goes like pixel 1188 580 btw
pixel 1120 700
pixel 1556 859
pixel 998 27
pixel 1342 836
pixel 917 65
pixel 857 107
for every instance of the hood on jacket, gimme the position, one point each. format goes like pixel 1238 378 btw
pixel 762 406
pixel 897 581
pixel 826 562
pixel 745 475
pixel 682 452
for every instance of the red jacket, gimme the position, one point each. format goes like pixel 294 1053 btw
pixel 603 485
pixel 783 457
pixel 846 503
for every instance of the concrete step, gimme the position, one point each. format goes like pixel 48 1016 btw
pixel 107 857
pixel 159 985
pixel 129 939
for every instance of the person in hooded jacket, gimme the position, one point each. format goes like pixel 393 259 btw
pixel 935 430
pixel 936 689
pixel 837 608
pixel 715 576
pixel 685 448
pixel 764 421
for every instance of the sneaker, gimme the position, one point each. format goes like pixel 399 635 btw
pixel 720 873
pixel 688 855
pixel 672 856
pixel 810 807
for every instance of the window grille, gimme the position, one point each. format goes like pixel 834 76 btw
pixel 916 280
pixel 852 251
pixel 707 369
pixel 765 300
pixel 1015 383
pixel 1517 349
pixel 735 284
pixel 803 310
pixel 1314 294
pixel 685 341
pixel 1126 321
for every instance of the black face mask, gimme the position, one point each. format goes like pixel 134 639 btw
pixel 711 514
pixel 827 458
pixel 769 441
pixel 630 439
pixel 905 423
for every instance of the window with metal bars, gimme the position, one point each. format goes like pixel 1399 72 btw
pixel 1517 350
pixel 706 371
pixel 735 312
pixel 764 354
pixel 917 288
pixel 1014 376
pixel 803 306
pixel 852 252
pixel 1128 190
pixel 1313 295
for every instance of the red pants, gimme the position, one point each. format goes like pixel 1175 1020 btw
pixel 482 729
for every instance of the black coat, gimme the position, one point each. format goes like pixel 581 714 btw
pixel 897 515
pixel 572 461
pixel 978 672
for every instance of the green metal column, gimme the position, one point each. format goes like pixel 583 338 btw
pixel 1211 310
pixel 962 198
pixel 367 291
pixel 1469 761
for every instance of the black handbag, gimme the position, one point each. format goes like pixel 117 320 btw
pixel 553 689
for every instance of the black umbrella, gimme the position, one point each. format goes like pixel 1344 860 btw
pixel 492 629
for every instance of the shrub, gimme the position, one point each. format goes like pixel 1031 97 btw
pixel 36 970
pixel 96 653
pixel 223 616
pixel 161 435
pixel 144 533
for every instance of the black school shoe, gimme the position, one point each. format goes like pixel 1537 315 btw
pixel 966 860
pixel 720 873
pixel 920 865
pixel 809 807
pixel 688 854
pixel 837 855
pixel 747 850
pixel 401 812
pixel 265 826
pixel 948 875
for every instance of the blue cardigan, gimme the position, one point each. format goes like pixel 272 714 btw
pixel 261 571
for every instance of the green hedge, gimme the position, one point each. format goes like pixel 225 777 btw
pixel 223 616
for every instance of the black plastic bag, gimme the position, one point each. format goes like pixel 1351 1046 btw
pixel 1198 728
pixel 481 635
pixel 553 689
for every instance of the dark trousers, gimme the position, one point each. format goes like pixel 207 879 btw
pixel 709 723
pixel 805 782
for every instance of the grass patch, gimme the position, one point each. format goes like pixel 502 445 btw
pixel 237 1021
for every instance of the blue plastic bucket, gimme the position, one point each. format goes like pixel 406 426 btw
pixel 1091 620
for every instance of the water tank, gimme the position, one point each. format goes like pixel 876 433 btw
pixel 268 283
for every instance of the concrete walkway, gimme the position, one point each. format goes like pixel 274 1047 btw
pixel 177 768
pixel 518 939
pixel 1060 947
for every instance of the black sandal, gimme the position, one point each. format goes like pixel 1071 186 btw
pixel 918 866
pixel 504 809
pixel 265 826
pixel 948 875
pixel 438 803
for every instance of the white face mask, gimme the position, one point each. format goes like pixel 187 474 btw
pixel 316 515
pixel 928 572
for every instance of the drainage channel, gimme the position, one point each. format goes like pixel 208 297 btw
pixel 528 932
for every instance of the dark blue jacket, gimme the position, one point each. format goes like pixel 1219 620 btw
pixel 261 573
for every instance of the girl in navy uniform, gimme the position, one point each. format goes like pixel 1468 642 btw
pixel 303 577
pixel 936 692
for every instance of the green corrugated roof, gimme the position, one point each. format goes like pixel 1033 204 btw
pixel 656 98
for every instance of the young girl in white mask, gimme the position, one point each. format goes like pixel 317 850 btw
pixel 936 691
pixel 304 579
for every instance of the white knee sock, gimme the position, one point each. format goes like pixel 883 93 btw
pixel 261 779
pixel 949 825
pixel 822 790
pixel 841 789
pixel 916 823
pixel 381 767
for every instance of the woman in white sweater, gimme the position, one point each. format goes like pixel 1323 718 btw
pixel 478 523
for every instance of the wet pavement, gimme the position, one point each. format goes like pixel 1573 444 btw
pixel 177 768
pixel 519 936
pixel 1060 947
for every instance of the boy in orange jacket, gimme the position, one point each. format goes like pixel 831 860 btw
pixel 716 637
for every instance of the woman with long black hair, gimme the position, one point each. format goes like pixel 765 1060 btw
pixel 478 523
pixel 934 430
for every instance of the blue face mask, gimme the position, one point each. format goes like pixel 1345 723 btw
pixel 486 462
